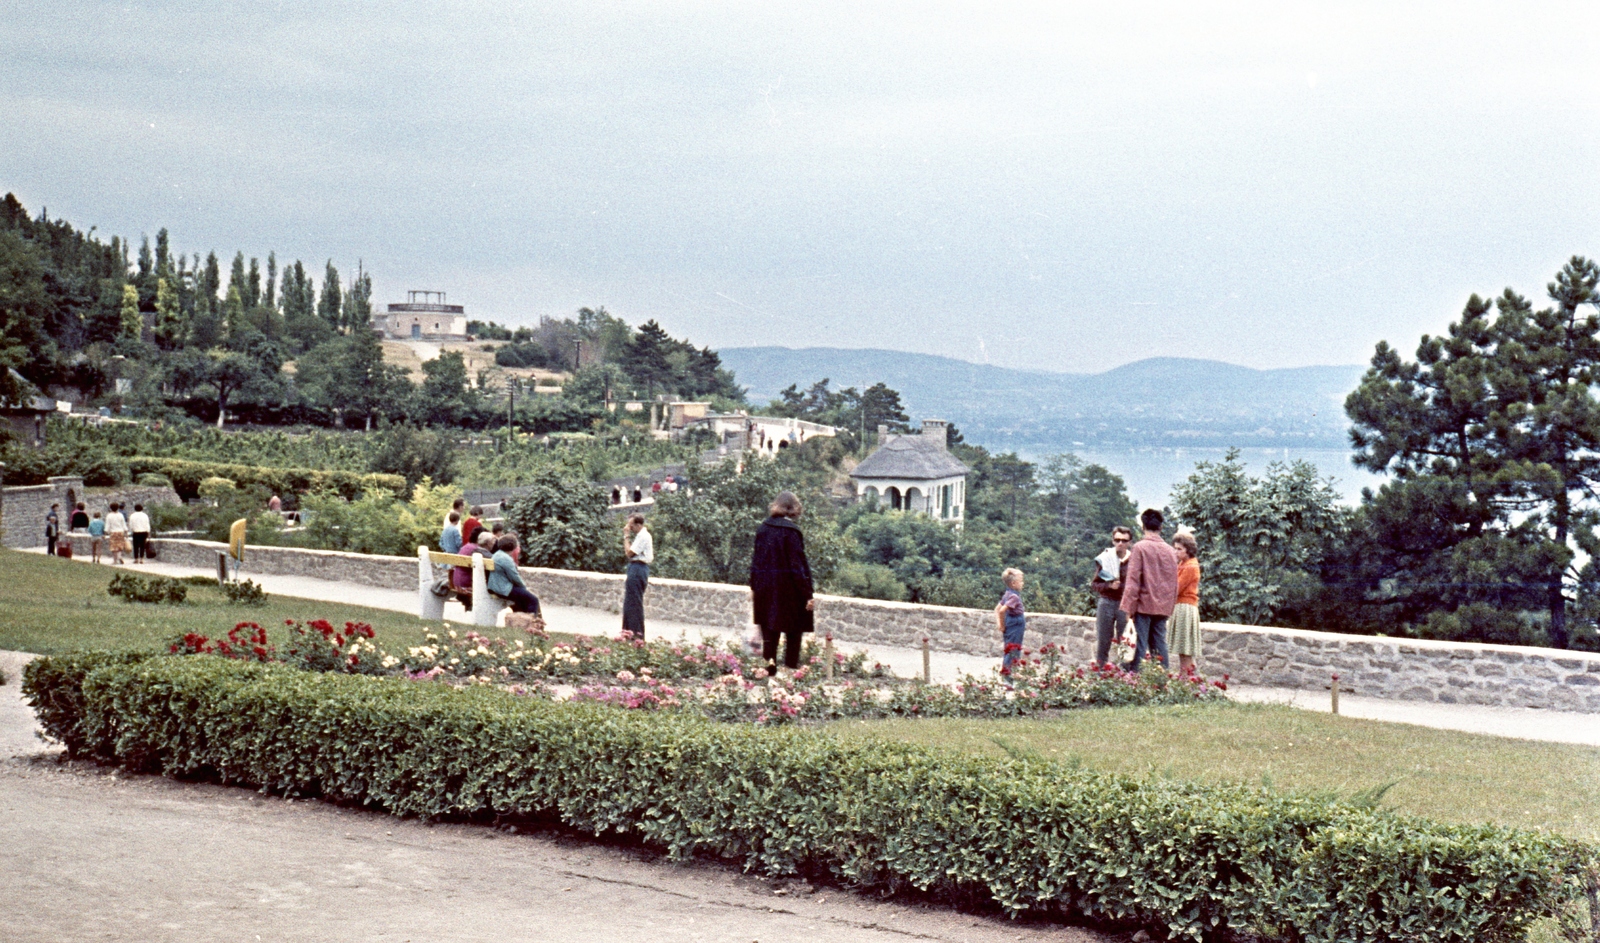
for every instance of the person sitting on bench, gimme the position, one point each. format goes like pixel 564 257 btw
pixel 506 583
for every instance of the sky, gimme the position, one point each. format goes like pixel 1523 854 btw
pixel 1055 186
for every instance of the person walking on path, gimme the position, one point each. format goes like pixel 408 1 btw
pixel 1110 572
pixel 1010 620
pixel 80 518
pixel 640 549
pixel 1150 589
pixel 97 534
pixel 781 589
pixel 1184 636
pixel 504 580
pixel 116 533
pixel 52 529
pixel 450 537
pixel 139 527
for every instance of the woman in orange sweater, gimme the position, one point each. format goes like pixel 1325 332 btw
pixel 1183 632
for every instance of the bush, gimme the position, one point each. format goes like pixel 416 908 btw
pixel 186 477
pixel 154 589
pixel 1192 860
pixel 246 593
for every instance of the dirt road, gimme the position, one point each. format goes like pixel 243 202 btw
pixel 90 854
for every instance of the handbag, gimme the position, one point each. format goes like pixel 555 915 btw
pixel 441 587
pixel 752 640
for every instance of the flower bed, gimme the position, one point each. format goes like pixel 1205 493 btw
pixel 719 682
pixel 1195 861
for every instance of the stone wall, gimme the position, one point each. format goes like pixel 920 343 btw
pixel 23 507
pixel 1411 669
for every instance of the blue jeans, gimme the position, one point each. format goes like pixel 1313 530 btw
pixel 1152 632
pixel 1016 626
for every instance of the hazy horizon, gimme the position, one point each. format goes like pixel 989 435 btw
pixel 1048 186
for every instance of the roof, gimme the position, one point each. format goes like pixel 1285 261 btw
pixel 910 456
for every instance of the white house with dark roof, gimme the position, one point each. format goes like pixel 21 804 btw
pixel 915 472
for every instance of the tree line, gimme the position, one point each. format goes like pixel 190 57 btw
pixel 165 334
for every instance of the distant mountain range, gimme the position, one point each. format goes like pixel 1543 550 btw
pixel 1163 401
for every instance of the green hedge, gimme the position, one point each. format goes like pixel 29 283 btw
pixel 186 475
pixel 1203 861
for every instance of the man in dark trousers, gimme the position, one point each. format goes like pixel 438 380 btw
pixel 640 549
pixel 780 583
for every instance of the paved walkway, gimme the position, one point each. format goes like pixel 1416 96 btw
pixel 92 853
pixel 1522 723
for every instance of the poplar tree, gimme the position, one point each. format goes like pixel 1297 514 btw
pixel 252 285
pixel 132 322
pixel 272 279
pixel 169 319
pixel 328 308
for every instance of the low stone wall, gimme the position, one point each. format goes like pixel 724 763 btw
pixel 23 508
pixel 1410 669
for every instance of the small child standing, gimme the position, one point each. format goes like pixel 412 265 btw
pixel 1009 618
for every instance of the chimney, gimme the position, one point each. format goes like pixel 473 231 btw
pixel 883 433
pixel 938 430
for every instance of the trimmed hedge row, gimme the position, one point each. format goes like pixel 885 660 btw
pixel 187 474
pixel 1201 861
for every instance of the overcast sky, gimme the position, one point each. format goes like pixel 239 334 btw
pixel 1057 186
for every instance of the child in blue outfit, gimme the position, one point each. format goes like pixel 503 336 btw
pixel 1009 618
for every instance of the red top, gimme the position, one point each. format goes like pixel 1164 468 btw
pixel 1189 582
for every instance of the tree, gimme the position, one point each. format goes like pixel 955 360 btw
pixel 880 406
pixel 444 397
pixel 229 372
pixel 358 302
pixel 561 522
pixel 1490 437
pixel 170 332
pixel 707 530
pixel 1257 535
pixel 132 321
pixel 646 359
pixel 329 307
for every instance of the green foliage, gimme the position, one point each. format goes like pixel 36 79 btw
pixel 866 581
pixel 244 593
pixel 856 413
pixel 1186 859
pixel 153 589
pixel 415 454
pixel 374 522
pixel 186 476
pixel 561 522
pixel 1491 436
pixel 1256 535
pixel 707 530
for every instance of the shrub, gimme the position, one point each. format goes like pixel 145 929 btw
pixel 245 593
pixel 1188 859
pixel 154 589
pixel 186 476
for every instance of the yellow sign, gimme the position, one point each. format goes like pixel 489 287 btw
pixel 236 539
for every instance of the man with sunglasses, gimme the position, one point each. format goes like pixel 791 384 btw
pixel 1110 570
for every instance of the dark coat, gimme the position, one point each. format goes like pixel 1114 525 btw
pixel 780 577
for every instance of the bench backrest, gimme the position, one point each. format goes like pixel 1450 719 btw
pixel 449 559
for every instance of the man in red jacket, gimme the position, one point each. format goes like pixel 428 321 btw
pixel 1150 589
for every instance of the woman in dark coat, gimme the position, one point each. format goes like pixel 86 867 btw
pixel 780 583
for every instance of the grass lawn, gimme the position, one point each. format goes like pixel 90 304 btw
pixel 52 605
pixel 1443 774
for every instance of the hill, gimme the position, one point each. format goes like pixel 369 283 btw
pixel 1165 401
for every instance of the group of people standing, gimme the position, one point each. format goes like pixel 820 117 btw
pixel 1150 583
pixel 116 531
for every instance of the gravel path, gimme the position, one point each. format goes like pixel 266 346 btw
pixel 88 853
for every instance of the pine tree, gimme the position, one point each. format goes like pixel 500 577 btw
pixel 647 361
pixel 328 307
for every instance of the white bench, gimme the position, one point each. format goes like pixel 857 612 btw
pixel 485 605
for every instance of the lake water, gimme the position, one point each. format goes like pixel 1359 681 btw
pixel 1151 473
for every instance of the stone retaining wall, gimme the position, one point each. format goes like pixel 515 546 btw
pixel 1410 669
pixel 23 507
